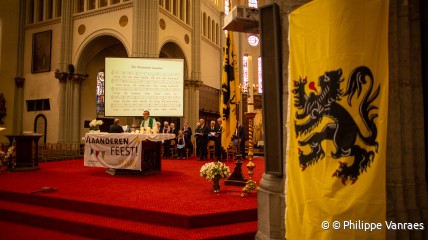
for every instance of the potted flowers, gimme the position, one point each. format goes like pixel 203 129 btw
pixel 94 125
pixel 215 171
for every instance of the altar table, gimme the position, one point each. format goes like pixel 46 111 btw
pixel 125 153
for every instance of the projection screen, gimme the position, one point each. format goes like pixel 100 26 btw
pixel 133 85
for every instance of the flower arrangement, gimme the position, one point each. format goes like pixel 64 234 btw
pixel 4 157
pixel 95 124
pixel 213 169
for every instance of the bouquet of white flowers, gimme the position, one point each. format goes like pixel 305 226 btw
pixel 4 157
pixel 95 124
pixel 212 169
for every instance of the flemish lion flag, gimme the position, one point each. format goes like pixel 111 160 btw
pixel 230 93
pixel 337 120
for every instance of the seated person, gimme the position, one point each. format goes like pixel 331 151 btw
pixel 116 128
pixel 181 145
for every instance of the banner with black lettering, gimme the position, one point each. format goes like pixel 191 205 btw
pixel 118 151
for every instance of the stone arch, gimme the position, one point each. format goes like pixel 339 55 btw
pixel 90 61
pixel 171 49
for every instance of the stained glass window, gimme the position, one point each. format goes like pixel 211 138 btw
pixel 245 72
pixel 100 93
pixel 259 75
pixel 252 3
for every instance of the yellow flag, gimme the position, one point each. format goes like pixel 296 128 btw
pixel 230 93
pixel 337 120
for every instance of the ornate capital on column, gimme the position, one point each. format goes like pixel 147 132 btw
pixel 61 76
pixel 195 83
pixel 78 78
pixel 19 82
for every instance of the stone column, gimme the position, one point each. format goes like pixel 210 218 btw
pixel 145 28
pixel 187 101
pixel 77 79
pixel 65 60
pixel 18 105
pixel 196 89
pixel 271 194
pixel 271 208
pixel 62 78
pixel 405 167
pixel 195 75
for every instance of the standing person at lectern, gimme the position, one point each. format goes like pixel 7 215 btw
pixel 116 128
pixel 148 122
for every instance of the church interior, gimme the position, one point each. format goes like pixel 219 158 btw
pixel 56 84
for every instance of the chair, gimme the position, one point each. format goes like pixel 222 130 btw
pixel 194 146
pixel 231 151
pixel 173 148
pixel 211 148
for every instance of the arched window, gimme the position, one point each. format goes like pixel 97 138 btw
pixel 102 3
pixel 161 3
pixel 100 92
pixel 213 31
pixel 205 24
pixel 49 9
pixel 58 9
pixel 30 11
pixel 40 11
pixel 182 10
pixel 91 4
pixel 174 7
pixel 167 7
pixel 209 28
pixel 188 11
pixel 217 34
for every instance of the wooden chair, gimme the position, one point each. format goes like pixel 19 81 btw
pixel 211 148
pixel 194 147
pixel 173 148
pixel 231 152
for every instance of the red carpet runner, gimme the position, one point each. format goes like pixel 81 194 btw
pixel 91 204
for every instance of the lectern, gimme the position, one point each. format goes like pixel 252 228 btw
pixel 26 155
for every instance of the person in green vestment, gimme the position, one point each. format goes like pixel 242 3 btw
pixel 148 122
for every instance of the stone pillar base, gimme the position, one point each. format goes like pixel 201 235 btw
pixel 271 205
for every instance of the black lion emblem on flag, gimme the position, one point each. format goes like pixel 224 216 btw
pixel 343 131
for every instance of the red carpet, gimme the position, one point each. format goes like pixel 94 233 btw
pixel 175 204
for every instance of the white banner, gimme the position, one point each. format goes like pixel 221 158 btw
pixel 113 150
pixel 118 150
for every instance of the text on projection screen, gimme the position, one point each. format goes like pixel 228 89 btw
pixel 137 84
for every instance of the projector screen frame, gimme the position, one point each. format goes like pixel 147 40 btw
pixel 132 65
